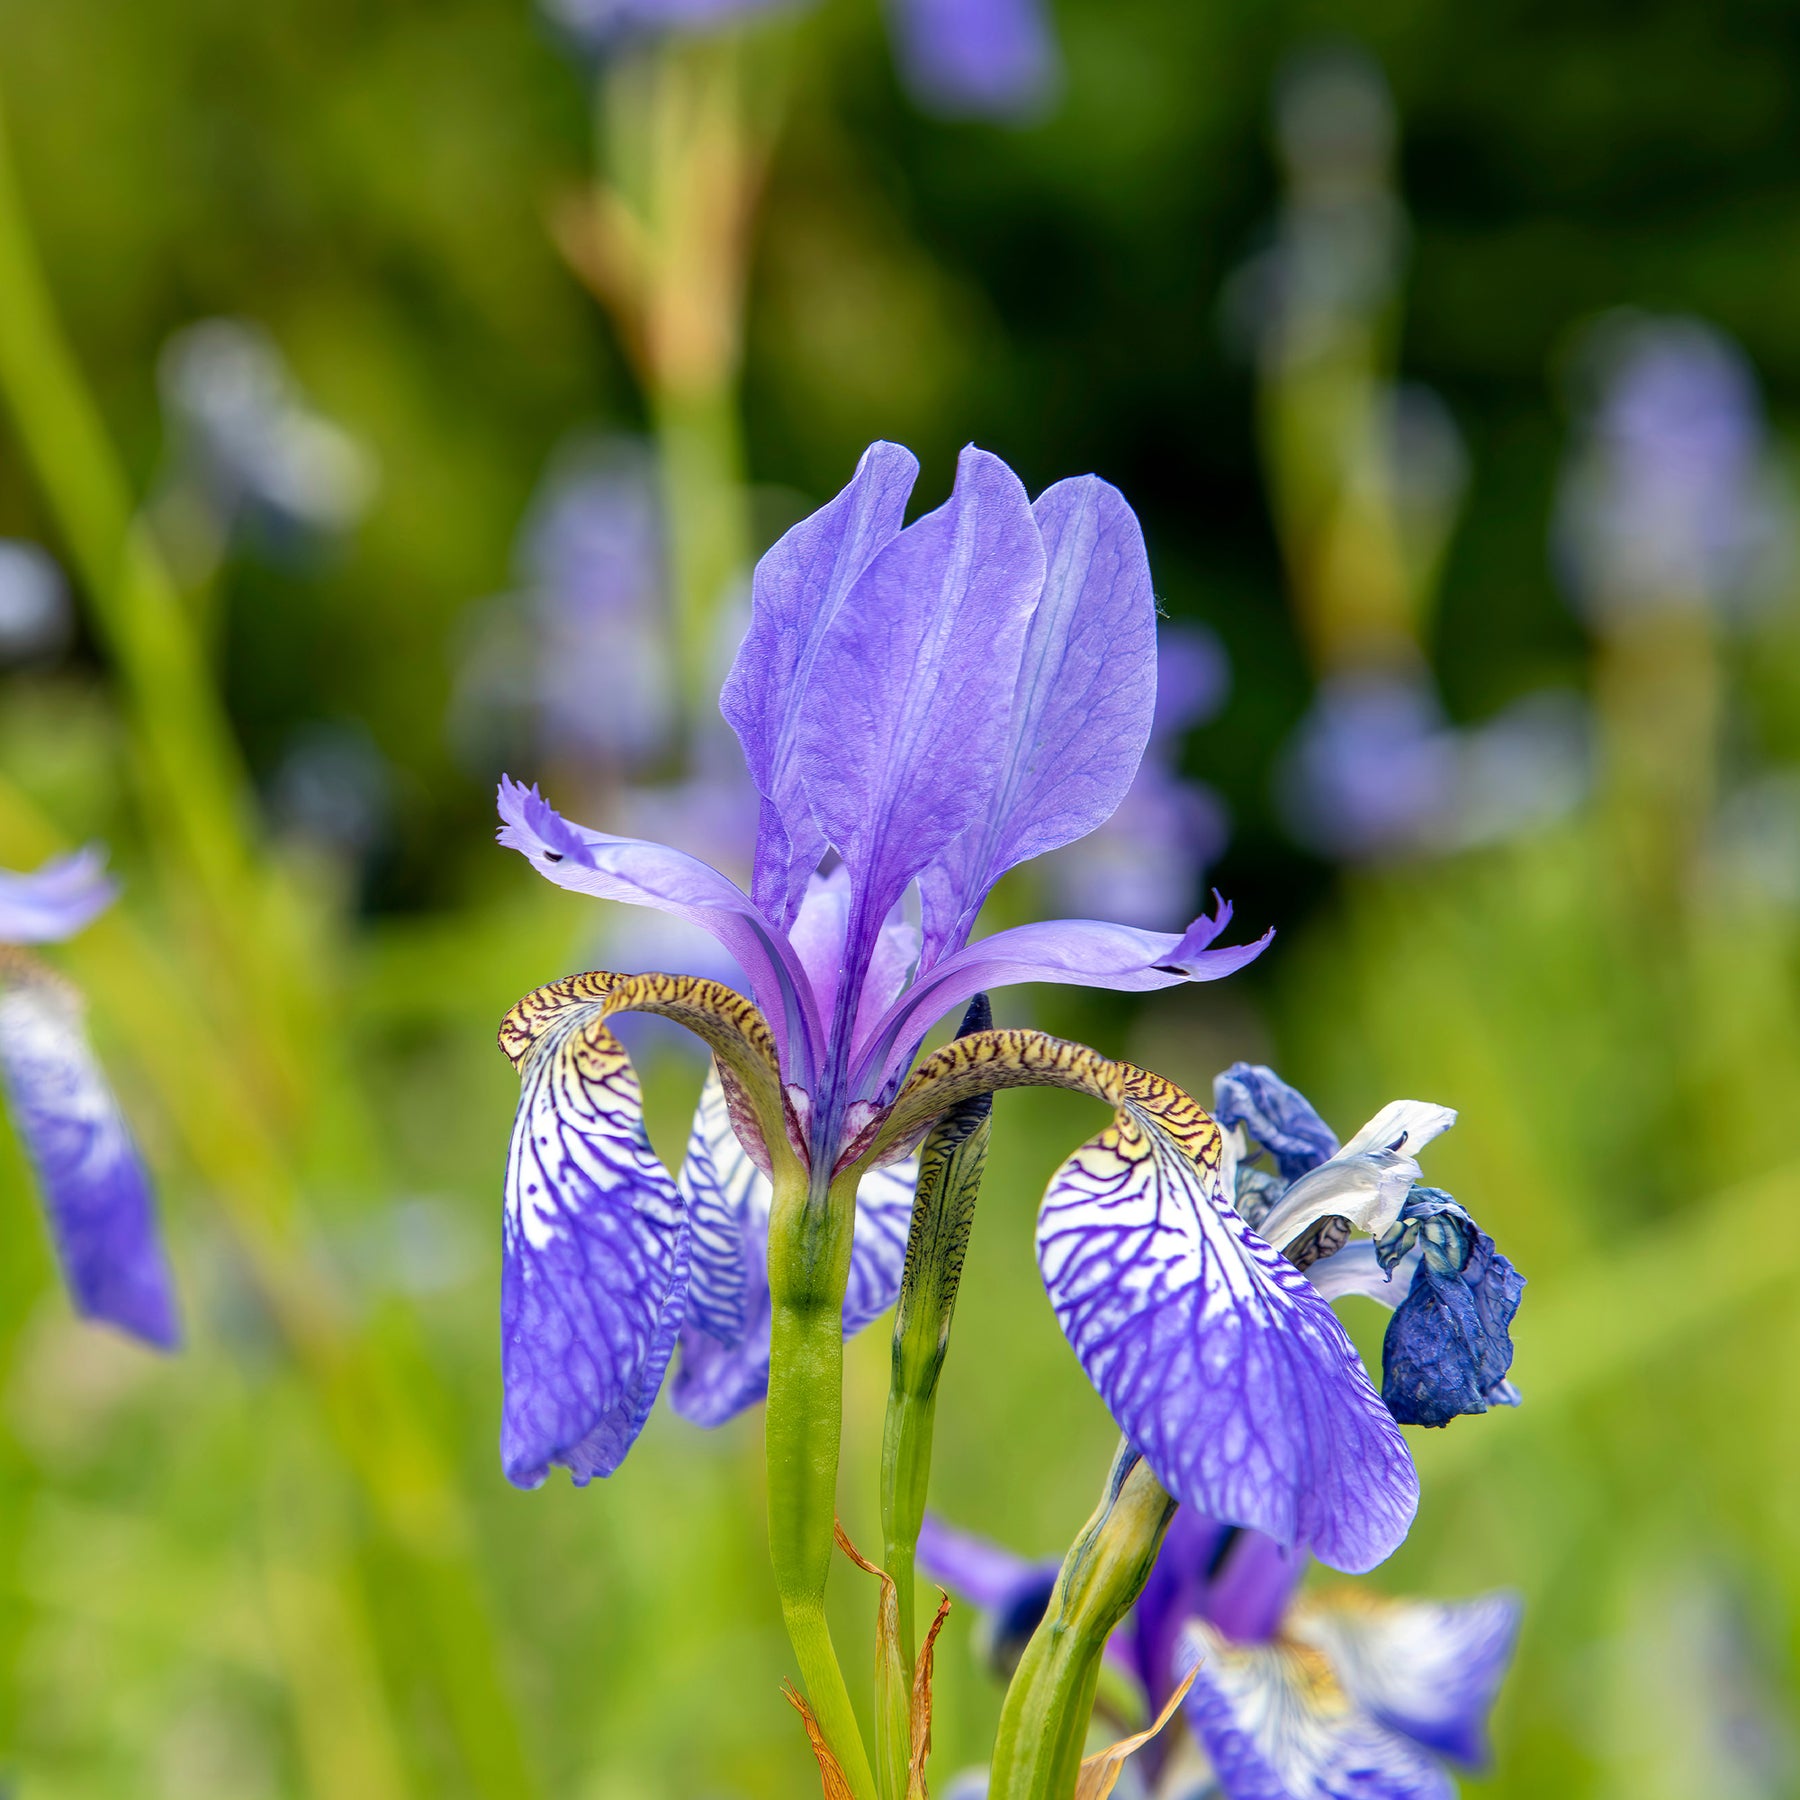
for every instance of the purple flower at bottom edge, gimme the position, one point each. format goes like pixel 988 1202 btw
pixel 95 1188
pixel 976 59
pixel 930 705
pixel 1342 1696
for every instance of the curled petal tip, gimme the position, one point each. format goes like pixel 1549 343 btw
pixel 1193 956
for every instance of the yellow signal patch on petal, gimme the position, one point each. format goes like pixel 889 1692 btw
pixel 735 1031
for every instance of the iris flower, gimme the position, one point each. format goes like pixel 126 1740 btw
pixel 992 59
pixel 1342 1696
pixel 95 1190
pixel 1448 1346
pixel 929 705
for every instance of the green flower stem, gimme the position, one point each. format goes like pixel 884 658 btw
pixel 950 1169
pixel 809 1265
pixel 1043 1723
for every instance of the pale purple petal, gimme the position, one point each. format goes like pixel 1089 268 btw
pixel 1081 711
pixel 95 1188
pixel 595 1261
pixel 1274 1729
pixel 645 874
pixel 1278 1117
pixel 725 1340
pixel 1078 952
pixel 819 936
pixel 1247 1596
pixel 1426 1668
pixel 799 585
pixel 903 727
pixel 1193 958
pixel 1215 1356
pixel 983 59
pixel 55 901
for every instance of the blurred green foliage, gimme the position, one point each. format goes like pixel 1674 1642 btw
pixel 215 1583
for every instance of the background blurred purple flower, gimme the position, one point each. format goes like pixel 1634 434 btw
pixel 1347 1696
pixel 1670 496
pixel 978 59
pixel 248 447
pixel 594 557
pixel 1376 771
pixel 37 618
pixel 1144 865
pixel 576 668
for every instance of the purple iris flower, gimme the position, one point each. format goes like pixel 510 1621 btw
pixel 96 1192
pixel 921 708
pixel 1448 1347
pixel 1344 1696
pixel 981 59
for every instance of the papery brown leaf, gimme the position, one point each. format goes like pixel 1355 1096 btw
pixel 1100 1772
pixel 921 1706
pixel 892 1715
pixel 831 1774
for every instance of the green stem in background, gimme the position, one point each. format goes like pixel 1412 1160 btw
pixel 810 1230
pixel 950 1170
pixel 262 1037
pixel 1044 1721
pixel 663 242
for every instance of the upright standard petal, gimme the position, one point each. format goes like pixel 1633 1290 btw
pixel 983 59
pixel 1212 1352
pixel 594 1256
pixel 1081 711
pixel 640 873
pixel 1278 1117
pixel 95 1189
pixel 1448 1347
pixel 725 1341
pixel 1276 1724
pixel 1430 1669
pixel 903 725
pixel 55 901
pixel 798 587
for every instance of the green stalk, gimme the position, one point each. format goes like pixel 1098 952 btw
pixel 950 1170
pixel 809 1266
pixel 950 1167
pixel 1044 1721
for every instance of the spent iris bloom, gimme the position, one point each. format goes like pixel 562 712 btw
pixel 1448 1346
pixel 988 59
pixel 1341 1696
pixel 95 1190
pixel 931 705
